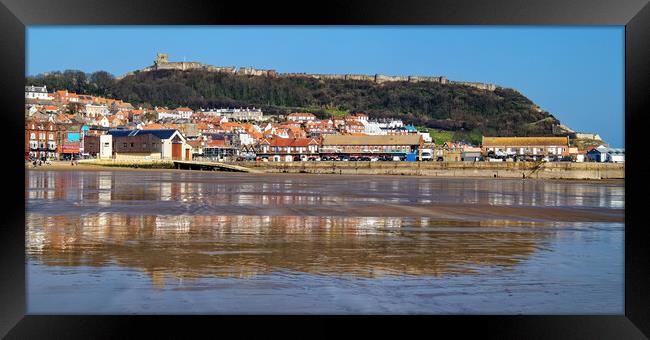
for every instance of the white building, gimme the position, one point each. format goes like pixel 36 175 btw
pixel 604 154
pixel 301 117
pixel 105 146
pixel 103 121
pixel 211 112
pixel 390 123
pixel 616 155
pixel 184 112
pixel 588 135
pixel 372 128
pixel 426 137
pixel 246 139
pixel 165 144
pixel 37 92
pixel 241 114
pixel 93 110
pixel 168 114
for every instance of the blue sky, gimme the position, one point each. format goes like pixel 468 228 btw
pixel 576 73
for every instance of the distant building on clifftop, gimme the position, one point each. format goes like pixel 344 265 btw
pixel 162 63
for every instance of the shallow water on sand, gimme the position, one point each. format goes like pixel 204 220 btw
pixel 157 242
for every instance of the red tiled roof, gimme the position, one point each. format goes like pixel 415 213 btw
pixel 153 126
pixel 290 141
pixel 194 143
pixel 216 142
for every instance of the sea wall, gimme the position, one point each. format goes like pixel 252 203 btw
pixel 450 169
pixel 131 163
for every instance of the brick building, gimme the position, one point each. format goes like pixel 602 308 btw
pixel 42 139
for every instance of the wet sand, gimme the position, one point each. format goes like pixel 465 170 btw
pixel 157 241
pixel 370 203
pixel 66 166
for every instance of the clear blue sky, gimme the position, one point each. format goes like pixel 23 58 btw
pixel 576 73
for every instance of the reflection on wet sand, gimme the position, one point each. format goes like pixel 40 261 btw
pixel 198 246
pixel 193 225
pixel 157 193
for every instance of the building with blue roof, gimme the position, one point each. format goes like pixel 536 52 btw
pixel 605 154
pixel 149 144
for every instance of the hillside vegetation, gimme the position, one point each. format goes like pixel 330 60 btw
pixel 448 107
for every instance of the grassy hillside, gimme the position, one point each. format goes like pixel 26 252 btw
pixel 457 108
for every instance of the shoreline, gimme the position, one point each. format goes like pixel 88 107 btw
pixel 65 166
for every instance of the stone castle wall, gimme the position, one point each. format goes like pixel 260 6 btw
pixel 162 63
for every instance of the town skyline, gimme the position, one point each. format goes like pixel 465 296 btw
pixel 586 95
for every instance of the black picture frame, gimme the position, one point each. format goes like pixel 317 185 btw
pixel 15 15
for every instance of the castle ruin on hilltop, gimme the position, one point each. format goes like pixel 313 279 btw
pixel 162 63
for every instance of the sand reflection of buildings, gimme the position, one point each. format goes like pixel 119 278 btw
pixel 169 247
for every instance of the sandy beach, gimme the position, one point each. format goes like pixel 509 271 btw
pixel 206 241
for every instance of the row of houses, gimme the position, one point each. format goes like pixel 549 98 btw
pixel 53 141
pixel 52 132
pixel 544 147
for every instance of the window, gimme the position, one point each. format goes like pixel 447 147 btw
pixel 32 136
pixel 132 144
pixel 41 135
pixel 51 136
pixel 125 145
pixel 106 144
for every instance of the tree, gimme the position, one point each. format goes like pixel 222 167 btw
pixel 74 108
pixel 150 116
pixel 102 82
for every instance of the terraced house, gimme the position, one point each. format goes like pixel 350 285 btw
pixel 399 145
pixel 288 149
pixel 41 139
pixel 526 146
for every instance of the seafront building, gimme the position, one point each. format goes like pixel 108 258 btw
pixel 348 145
pixel 526 146
pixel 163 144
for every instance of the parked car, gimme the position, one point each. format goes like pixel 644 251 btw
pixel 566 159
pixel 353 159
pixel 427 155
